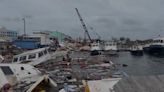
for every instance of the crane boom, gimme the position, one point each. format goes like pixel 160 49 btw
pixel 99 37
pixel 83 24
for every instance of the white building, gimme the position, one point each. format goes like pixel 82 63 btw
pixel 8 35
pixel 44 38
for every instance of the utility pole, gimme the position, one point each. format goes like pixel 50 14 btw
pixel 24 23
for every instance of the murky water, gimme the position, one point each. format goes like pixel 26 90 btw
pixel 140 65
pixel 137 65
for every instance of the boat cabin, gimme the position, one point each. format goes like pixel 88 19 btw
pixel 110 45
pixel 96 46
pixel 24 78
pixel 33 57
pixel 136 47
pixel 159 41
pixel 12 73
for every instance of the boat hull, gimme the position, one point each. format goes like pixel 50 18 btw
pixel 95 52
pixel 157 50
pixel 137 52
pixel 111 52
pixel 146 49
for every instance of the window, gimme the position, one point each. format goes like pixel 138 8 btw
pixel 15 60
pixel 22 58
pixel 6 70
pixel 40 54
pixel 22 68
pixel 32 56
pixel 161 41
pixel 45 52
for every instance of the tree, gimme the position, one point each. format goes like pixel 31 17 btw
pixel 122 39
pixel 127 40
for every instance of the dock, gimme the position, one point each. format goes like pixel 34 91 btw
pixel 154 83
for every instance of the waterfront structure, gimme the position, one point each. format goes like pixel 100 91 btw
pixel 59 35
pixel 25 42
pixel 46 39
pixel 36 40
pixel 43 36
pixel 8 35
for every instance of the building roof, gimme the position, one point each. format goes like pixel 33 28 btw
pixel 59 35
pixel 3 29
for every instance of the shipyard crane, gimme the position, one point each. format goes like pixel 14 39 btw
pixel 84 26
pixel 99 37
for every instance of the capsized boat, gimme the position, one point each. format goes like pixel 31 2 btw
pixel 33 57
pixel 24 78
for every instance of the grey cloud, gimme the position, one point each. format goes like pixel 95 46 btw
pixel 107 17
pixel 131 22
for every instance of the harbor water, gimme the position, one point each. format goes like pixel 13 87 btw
pixel 136 65
pixel 140 65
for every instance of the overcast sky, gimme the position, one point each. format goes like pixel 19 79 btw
pixel 137 19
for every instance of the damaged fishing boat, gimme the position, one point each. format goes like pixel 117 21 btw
pixel 96 48
pixel 33 57
pixel 110 48
pixel 136 50
pixel 24 78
